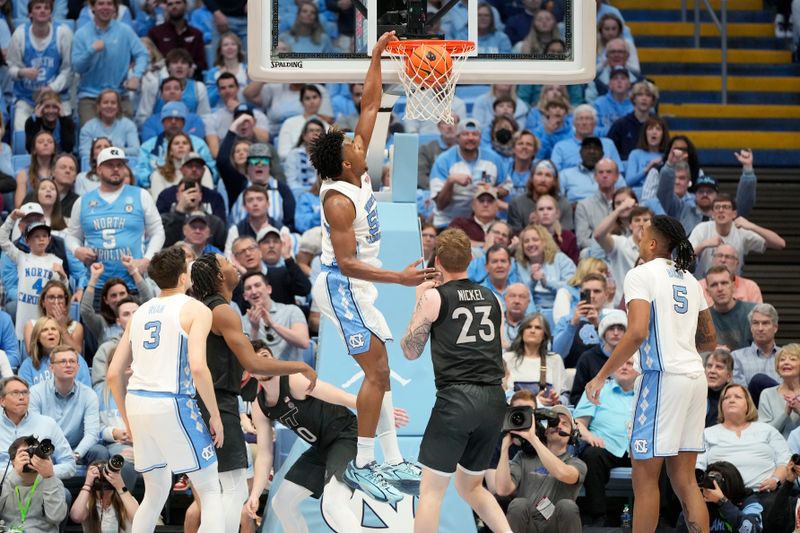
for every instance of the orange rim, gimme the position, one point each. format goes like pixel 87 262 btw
pixel 405 48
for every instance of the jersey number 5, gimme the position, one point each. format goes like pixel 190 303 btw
pixel 681 302
pixel 485 328
pixel 154 328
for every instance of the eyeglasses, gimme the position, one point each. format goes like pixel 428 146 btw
pixel 251 248
pixel 55 298
pixel 723 207
pixel 17 393
pixel 727 256
pixel 65 362
pixel 258 161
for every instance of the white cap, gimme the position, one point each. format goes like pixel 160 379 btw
pixel 109 154
pixel 266 230
pixel 615 317
pixel 31 208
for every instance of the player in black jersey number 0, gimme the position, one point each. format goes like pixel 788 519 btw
pixel 464 321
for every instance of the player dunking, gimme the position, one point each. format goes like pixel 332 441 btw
pixel 668 322
pixel 165 346
pixel 464 321
pixel 229 352
pixel 346 294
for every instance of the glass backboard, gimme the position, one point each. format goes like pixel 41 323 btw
pixel 323 41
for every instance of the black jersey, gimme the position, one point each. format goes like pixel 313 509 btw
pixel 465 337
pixel 226 371
pixel 315 421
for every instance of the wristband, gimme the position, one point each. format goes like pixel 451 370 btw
pixel 123 490
pixel 85 489
pixel 776 478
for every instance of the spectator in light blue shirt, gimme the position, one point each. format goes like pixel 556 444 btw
pixel 579 182
pixel 307 35
pixel 554 128
pixel 490 39
pixel 566 153
pixel 109 123
pixel 616 103
pixel 648 154
pixel 18 421
pixel 45 337
pixel 8 340
pixel 603 428
pixel 101 54
pixel 72 405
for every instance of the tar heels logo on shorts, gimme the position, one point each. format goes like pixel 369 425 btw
pixel 640 446
pixel 208 452
pixel 356 340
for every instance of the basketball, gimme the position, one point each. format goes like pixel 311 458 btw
pixel 429 65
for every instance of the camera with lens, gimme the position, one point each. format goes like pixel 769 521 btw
pixel 42 450
pixel 705 480
pixel 114 464
pixel 522 417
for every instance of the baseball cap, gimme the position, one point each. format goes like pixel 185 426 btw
pixel 263 232
pixel 706 181
pixel 31 208
pixel 174 109
pixel 480 191
pixel 561 410
pixel 36 225
pixel 197 215
pixel 192 156
pixel 243 109
pixel 615 317
pixel 591 141
pixel 469 124
pixel 619 69
pixel 109 154
pixel 259 150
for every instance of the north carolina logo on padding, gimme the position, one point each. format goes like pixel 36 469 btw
pixel 640 446
pixel 356 340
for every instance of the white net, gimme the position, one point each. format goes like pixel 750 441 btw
pixel 429 89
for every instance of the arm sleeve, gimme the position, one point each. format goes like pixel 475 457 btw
pixel 637 286
pixel 203 107
pixel 5 365
pixel 82 52
pixel 73 236
pixel 665 192
pixel 139 54
pixel 154 229
pixel 53 500
pixel 14 53
pixel 64 77
pixel 234 181
pixel 768 413
pixel 5 240
pixel 145 292
pixel 9 340
pixel 91 423
pixel 562 339
pixel 746 193
pixel 300 283
pixel 92 321
pixel 566 269
pixel 779 446
pixel 131 138
pixel 582 230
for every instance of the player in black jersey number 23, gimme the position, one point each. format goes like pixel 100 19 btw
pixel 464 321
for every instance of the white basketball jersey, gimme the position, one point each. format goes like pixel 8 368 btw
pixel 676 300
pixel 365 225
pixel 33 273
pixel 160 347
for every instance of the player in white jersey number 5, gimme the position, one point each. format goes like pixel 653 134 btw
pixel 165 346
pixel 346 295
pixel 668 322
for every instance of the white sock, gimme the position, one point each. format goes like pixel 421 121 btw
pixel 387 434
pixel 365 451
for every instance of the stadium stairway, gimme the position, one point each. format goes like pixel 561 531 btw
pixel 763 111
pixel 776 272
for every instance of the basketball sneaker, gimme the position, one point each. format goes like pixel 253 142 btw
pixel 369 479
pixel 404 476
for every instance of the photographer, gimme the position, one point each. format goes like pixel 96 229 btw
pixel 104 504
pixel 782 517
pixel 545 477
pixel 32 498
pixel 731 507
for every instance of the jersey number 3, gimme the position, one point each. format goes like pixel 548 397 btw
pixel 485 328
pixel 154 328
pixel 681 302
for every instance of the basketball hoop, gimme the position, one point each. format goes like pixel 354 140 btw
pixel 429 87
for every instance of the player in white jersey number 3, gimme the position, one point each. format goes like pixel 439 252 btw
pixel 164 344
pixel 346 294
pixel 668 322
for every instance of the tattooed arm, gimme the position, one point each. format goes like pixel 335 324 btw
pixel 706 337
pixel 419 328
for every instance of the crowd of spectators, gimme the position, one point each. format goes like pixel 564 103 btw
pixel 143 130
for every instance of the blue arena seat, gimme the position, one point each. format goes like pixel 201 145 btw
pixel 18 142
pixel 20 161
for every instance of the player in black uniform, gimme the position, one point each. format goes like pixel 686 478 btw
pixel 322 419
pixel 464 321
pixel 229 353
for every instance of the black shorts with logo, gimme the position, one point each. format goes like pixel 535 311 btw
pixel 464 427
